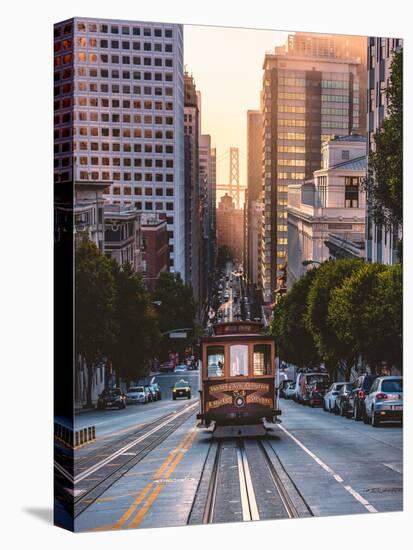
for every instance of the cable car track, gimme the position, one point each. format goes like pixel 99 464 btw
pixel 256 466
pixel 88 485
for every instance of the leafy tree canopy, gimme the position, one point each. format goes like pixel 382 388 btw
pixel 137 325
pixel 176 309
pixel 384 182
pixel 329 276
pixel 294 341
pixel 95 299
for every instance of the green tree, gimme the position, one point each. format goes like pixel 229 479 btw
pixel 295 343
pixel 95 298
pixel 386 313
pixel 329 276
pixel 177 309
pixel 366 314
pixel 137 325
pixel 350 311
pixel 384 182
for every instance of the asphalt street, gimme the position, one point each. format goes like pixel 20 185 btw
pixel 113 420
pixel 338 466
pixel 161 468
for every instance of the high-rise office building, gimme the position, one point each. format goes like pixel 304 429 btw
pixel 252 229
pixel 192 202
pixel 230 226
pixel 311 91
pixel 119 107
pixel 380 243
pixel 207 169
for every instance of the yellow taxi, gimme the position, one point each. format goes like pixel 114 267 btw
pixel 181 389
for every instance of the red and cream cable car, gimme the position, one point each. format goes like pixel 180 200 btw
pixel 237 379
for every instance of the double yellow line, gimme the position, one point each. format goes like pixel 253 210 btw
pixel 151 491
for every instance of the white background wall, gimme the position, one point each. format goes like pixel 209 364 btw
pixel 26 41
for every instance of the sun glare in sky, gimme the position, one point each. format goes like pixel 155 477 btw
pixel 226 64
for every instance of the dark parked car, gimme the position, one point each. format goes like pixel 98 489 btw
pixel 340 406
pixel 168 366
pixel 355 402
pixel 151 392
pixel 156 390
pixel 112 398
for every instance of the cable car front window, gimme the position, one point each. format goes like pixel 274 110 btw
pixel 239 360
pixel 262 359
pixel 215 361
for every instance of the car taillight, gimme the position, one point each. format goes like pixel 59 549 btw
pixel 361 394
pixel 381 396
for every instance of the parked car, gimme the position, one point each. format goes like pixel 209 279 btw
pixel 181 389
pixel 289 390
pixel 384 401
pixel 180 368
pixel 282 387
pixel 135 395
pixel 342 397
pixel 113 397
pixel 168 366
pixel 329 401
pixel 317 390
pixel 156 390
pixel 355 402
pixel 307 381
pixel 151 392
pixel 297 385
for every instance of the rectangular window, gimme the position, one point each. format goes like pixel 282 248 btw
pixel 239 360
pixel 215 361
pixel 351 192
pixel 262 359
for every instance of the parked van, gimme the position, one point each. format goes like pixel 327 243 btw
pixel 306 384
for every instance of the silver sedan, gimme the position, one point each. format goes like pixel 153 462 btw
pixel 331 396
pixel 384 401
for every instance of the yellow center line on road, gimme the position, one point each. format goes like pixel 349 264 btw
pixel 154 495
pixel 142 494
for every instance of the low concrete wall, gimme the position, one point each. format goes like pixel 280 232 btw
pixel 74 438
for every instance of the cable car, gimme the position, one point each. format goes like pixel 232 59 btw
pixel 237 380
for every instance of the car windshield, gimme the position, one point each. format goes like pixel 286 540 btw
pixel 182 384
pixel 115 391
pixel 392 385
pixel 139 389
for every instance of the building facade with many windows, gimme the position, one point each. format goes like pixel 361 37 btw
pixel 252 205
pixel 380 244
pixel 118 107
pixel 193 213
pixel 311 91
pixel 330 207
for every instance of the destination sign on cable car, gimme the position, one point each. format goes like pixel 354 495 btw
pixel 239 327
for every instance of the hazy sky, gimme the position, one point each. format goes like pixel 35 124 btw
pixel 227 67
